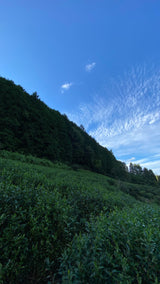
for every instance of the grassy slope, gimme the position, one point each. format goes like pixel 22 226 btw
pixel 61 225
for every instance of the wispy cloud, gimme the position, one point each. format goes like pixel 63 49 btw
pixel 129 121
pixel 90 66
pixel 66 86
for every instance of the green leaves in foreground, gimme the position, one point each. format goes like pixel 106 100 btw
pixel 63 226
pixel 34 232
pixel 121 248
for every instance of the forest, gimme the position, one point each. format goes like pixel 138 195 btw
pixel 29 126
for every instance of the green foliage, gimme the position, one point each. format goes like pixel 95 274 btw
pixel 45 133
pixel 34 228
pixel 59 222
pixel 29 126
pixel 142 176
pixel 25 158
pixel 145 193
pixel 59 225
pixel 121 248
pixel 40 211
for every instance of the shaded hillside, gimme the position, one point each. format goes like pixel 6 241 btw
pixel 29 126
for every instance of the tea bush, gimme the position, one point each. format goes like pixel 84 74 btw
pixel 121 248
pixel 34 225
pixel 59 225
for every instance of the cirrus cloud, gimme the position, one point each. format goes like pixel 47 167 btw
pixel 127 122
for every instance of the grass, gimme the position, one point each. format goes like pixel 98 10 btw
pixel 60 225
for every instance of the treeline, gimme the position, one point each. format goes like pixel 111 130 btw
pixel 29 126
pixel 141 175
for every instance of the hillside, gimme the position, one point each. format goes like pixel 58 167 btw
pixel 59 225
pixel 29 126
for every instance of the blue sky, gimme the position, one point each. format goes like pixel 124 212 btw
pixel 98 61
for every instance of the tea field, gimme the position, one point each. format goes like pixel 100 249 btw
pixel 60 224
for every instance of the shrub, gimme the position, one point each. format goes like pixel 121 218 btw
pixel 34 225
pixel 121 248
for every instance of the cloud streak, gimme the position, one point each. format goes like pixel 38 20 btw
pixel 90 67
pixel 127 122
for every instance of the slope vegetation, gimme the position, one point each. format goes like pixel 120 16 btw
pixel 60 225
pixel 27 125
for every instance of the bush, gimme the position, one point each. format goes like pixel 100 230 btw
pixel 34 225
pixel 25 158
pixel 54 215
pixel 121 248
